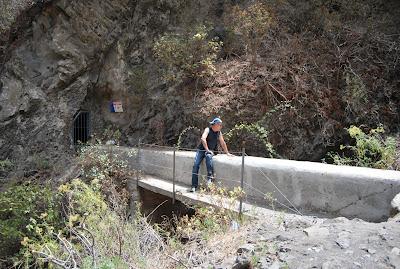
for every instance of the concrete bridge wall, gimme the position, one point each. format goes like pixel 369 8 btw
pixel 312 187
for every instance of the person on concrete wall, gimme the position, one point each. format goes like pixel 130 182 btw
pixel 209 143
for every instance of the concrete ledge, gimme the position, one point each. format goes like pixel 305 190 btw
pixel 164 187
pixel 352 192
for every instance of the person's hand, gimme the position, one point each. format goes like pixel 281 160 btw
pixel 210 152
pixel 230 155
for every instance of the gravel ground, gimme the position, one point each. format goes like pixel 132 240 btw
pixel 290 241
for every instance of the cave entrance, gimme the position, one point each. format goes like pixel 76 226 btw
pixel 81 130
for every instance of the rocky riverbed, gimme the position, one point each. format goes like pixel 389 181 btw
pixel 282 240
pixel 289 241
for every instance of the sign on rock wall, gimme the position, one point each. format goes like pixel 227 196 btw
pixel 116 107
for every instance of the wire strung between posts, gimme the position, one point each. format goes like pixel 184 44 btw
pixel 171 148
pixel 180 148
pixel 277 189
pixel 218 151
pixel 169 168
pixel 281 204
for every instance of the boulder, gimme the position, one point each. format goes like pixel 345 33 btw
pixel 316 232
pixel 396 203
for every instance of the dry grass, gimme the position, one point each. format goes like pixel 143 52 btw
pixel 203 252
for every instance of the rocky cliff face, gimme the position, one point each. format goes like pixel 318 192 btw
pixel 59 57
pixel 49 64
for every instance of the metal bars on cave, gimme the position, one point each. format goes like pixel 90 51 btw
pixel 243 154
pixel 81 128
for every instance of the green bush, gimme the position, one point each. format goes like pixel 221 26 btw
pixel 71 225
pixel 107 171
pixel 40 163
pixel 25 211
pixel 188 55
pixel 83 222
pixel 206 220
pixel 253 23
pixel 369 149
pixel 5 165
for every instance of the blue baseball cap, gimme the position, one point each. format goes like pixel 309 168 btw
pixel 215 120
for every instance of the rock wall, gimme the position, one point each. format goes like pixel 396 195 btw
pixel 60 56
pixel 48 70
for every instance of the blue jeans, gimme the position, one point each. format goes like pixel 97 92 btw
pixel 200 155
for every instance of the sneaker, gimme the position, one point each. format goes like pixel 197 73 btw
pixel 209 181
pixel 193 189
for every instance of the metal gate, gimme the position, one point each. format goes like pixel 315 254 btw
pixel 81 130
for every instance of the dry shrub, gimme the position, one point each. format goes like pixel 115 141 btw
pixel 333 69
pixel 195 240
pixel 187 55
pixel 252 23
pixel 109 172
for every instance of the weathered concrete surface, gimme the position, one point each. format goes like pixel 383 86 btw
pixel 165 188
pixel 316 188
pixel 353 192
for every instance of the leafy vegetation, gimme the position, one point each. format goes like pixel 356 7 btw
pixel 40 163
pixel 184 133
pixel 5 165
pixel 27 212
pixel 107 171
pixel 187 55
pixel 253 23
pixel 90 234
pixel 87 223
pixel 209 220
pixel 138 79
pixel 191 232
pixel 82 223
pixel 369 149
pixel 356 94
pixel 243 131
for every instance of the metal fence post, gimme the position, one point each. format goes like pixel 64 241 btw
pixel 241 183
pixel 138 164
pixel 173 178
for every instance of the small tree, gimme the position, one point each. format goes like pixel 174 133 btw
pixel 188 55
pixel 253 23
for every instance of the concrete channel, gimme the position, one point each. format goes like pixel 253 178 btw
pixel 313 188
